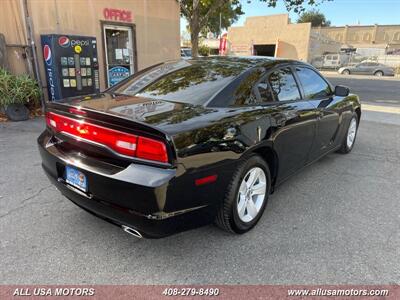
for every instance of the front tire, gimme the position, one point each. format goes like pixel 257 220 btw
pixel 378 73
pixel 350 137
pixel 346 72
pixel 246 196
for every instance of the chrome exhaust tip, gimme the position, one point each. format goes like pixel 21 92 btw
pixel 132 231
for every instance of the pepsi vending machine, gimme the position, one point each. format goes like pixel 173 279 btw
pixel 71 65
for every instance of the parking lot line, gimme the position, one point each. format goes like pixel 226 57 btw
pixel 378 108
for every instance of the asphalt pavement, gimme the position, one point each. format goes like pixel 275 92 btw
pixel 336 222
pixel 373 90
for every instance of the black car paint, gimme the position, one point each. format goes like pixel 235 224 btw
pixel 203 140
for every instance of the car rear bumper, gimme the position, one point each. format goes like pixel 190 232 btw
pixel 147 202
pixel 148 227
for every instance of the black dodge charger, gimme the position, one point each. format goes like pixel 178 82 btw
pixel 186 143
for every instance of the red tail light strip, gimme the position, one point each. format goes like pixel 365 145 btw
pixel 121 142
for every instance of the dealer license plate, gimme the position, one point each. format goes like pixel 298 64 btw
pixel 75 178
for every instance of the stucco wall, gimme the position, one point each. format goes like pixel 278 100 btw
pixel 292 40
pixel 12 25
pixel 156 21
pixel 363 36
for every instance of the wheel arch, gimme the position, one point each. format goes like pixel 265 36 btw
pixel 271 158
pixel 358 112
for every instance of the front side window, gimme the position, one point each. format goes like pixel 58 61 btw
pixel 283 85
pixel 314 86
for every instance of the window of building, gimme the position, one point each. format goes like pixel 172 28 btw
pixel 397 36
pixel 339 37
pixel 314 86
pixel 283 85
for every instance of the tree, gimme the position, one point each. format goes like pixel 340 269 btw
pixel 315 17
pixel 225 16
pixel 199 12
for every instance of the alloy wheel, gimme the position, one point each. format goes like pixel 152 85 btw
pixel 351 133
pixel 251 195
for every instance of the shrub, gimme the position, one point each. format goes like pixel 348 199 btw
pixel 18 89
pixel 204 50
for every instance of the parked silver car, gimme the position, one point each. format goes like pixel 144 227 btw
pixel 368 68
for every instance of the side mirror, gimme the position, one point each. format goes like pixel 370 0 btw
pixel 342 91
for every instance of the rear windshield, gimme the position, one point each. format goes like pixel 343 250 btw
pixel 192 81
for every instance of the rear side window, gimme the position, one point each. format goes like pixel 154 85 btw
pixel 314 86
pixel 283 85
pixel 243 92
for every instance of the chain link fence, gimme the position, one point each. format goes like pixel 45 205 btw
pixel 328 54
pixel 358 61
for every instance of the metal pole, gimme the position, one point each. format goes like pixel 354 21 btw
pixel 31 41
pixel 220 24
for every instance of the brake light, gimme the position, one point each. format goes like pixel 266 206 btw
pixel 120 142
pixel 151 149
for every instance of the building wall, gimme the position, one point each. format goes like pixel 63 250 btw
pixel 12 25
pixel 320 45
pixel 291 40
pixel 363 36
pixel 156 21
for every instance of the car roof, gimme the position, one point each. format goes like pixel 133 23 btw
pixel 197 80
pixel 246 61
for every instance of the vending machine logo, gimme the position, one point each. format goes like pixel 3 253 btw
pixel 47 55
pixel 64 41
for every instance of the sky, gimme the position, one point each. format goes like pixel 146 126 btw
pixel 339 12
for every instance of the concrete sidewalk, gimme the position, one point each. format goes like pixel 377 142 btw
pixel 372 77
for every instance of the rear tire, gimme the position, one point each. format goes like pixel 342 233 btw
pixel 378 73
pixel 346 72
pixel 246 196
pixel 350 137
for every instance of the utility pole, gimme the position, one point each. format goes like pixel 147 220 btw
pixel 220 24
